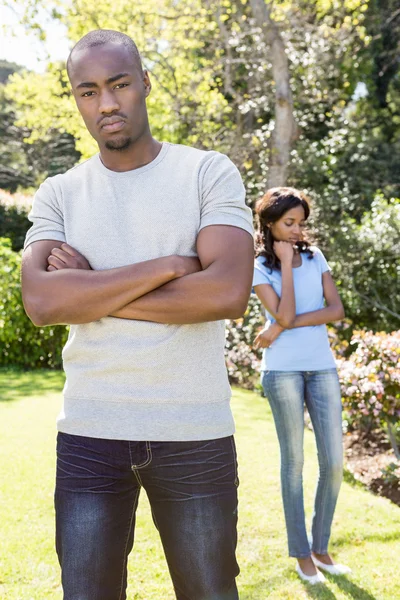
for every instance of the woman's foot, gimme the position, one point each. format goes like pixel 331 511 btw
pixel 323 558
pixel 325 562
pixel 307 566
pixel 307 571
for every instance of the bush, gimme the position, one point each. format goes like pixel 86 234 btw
pixel 365 261
pixel 14 218
pixel 242 361
pixel 370 382
pixel 21 343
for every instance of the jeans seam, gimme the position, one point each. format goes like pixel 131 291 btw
pixel 138 479
pixel 146 462
pixel 126 542
pixel 155 520
pixel 292 538
pixel 235 462
pixel 149 457
pixel 324 489
pixel 135 469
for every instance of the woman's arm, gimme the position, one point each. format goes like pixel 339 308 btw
pixel 283 308
pixel 333 311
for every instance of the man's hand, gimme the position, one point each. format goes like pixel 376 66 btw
pixel 66 257
pixel 268 335
pixel 219 291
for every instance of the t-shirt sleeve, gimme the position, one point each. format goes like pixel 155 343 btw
pixel 46 216
pixel 261 274
pixel 324 266
pixel 222 195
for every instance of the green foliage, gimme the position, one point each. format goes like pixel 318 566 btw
pixel 25 165
pixel 13 220
pixel 7 69
pixel 21 343
pixel 365 258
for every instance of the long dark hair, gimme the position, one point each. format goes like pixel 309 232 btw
pixel 269 209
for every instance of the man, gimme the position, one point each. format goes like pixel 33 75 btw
pixel 144 249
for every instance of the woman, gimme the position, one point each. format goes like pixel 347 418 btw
pixel 292 279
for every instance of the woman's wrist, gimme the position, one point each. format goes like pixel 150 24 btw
pixel 286 263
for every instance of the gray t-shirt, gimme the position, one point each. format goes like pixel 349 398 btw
pixel 138 380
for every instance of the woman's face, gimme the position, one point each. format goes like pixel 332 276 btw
pixel 289 228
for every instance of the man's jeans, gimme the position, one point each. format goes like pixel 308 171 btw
pixel 192 489
pixel 320 390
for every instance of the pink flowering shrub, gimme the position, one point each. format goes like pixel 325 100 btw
pixel 370 379
pixel 242 361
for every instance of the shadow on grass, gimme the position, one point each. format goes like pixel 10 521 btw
pixel 393 536
pixel 321 592
pixel 350 588
pixel 16 384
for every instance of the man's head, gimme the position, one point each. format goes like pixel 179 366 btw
pixel 110 88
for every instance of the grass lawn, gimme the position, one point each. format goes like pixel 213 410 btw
pixel 366 531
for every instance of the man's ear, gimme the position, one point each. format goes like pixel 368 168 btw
pixel 147 82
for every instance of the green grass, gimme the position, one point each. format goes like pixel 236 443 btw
pixel 366 530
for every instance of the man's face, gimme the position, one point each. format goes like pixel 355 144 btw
pixel 110 91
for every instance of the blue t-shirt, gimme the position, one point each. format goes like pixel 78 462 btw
pixel 301 348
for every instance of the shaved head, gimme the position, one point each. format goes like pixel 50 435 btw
pixel 99 37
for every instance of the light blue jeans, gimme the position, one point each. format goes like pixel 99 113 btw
pixel 287 391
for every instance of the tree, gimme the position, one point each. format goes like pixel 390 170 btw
pixel 285 126
pixel 26 164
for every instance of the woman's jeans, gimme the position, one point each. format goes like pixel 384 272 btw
pixel 192 489
pixel 320 390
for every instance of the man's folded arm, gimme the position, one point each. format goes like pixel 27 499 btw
pixel 75 295
pixel 220 291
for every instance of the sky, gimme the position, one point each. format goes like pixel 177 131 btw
pixel 25 49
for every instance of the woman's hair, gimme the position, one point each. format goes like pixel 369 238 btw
pixel 269 209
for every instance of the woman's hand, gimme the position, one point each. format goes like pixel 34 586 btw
pixel 66 257
pixel 268 335
pixel 284 251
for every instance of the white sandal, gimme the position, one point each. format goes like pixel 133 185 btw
pixel 331 569
pixel 311 579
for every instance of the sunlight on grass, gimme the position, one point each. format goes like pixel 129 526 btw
pixel 366 531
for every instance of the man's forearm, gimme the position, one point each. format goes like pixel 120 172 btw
pixel 75 296
pixel 196 298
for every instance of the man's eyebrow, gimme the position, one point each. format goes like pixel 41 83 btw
pixel 92 84
pixel 116 77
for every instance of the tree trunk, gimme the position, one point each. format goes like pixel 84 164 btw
pixel 285 127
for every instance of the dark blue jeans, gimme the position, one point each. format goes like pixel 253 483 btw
pixel 192 489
